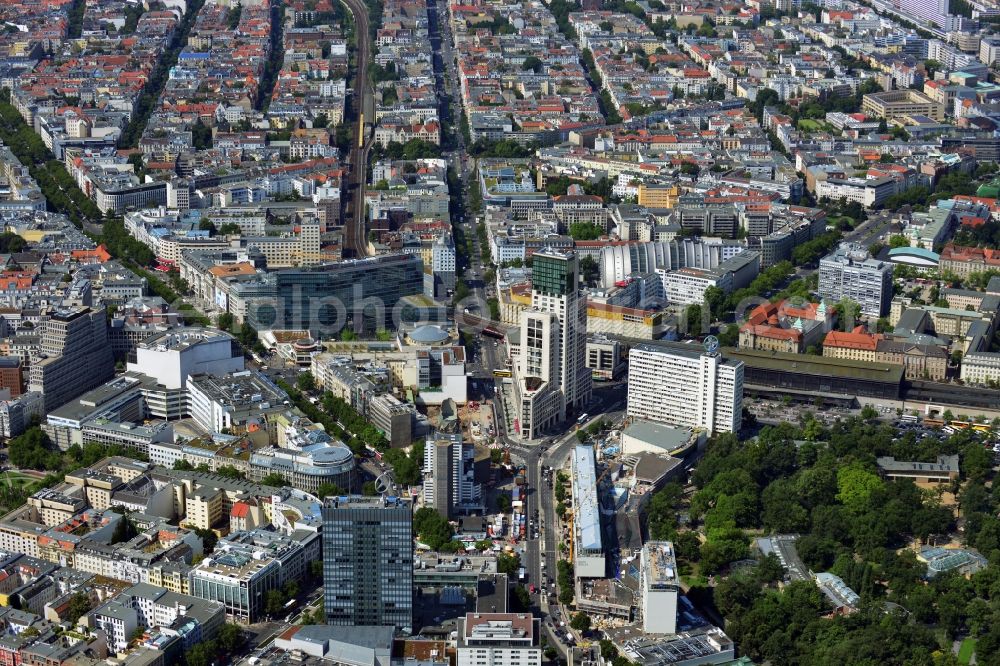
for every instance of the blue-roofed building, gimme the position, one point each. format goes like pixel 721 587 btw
pixel 588 544
pixel 916 257
pixel 193 55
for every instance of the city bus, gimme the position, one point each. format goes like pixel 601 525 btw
pixel 501 373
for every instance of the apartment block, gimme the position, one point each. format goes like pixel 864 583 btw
pixel 682 384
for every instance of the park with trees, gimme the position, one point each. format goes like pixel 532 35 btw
pixel 820 482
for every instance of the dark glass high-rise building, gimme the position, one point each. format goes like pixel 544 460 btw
pixel 368 561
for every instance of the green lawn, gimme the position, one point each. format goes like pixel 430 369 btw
pixel 16 478
pixel 966 651
pixel 807 125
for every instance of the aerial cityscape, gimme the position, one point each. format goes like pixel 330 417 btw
pixel 499 333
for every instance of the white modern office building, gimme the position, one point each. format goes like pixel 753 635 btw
pixel 499 639
pixel 660 583
pixel 169 358
pixel 172 356
pixel 685 385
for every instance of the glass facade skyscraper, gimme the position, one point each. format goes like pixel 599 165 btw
pixel 368 562
pixel 551 376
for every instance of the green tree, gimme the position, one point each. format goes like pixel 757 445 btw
pixel 230 472
pixel 274 479
pixel 124 530
pixel 201 136
pixel 329 490
pixel 532 63
pixel 305 382
pixel 79 605
pixel 589 270
pixel 33 450
pixel 855 485
pixel 208 539
pixel 508 563
pixel 432 528
pixel 583 231
pixel 522 599
pixel 848 313
pixel 692 317
pixel 230 638
pixel 200 654
pixel 580 622
pixel 274 602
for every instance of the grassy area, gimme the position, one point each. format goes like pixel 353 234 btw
pixel 16 478
pixel 967 649
pixel 694 581
pixel 806 125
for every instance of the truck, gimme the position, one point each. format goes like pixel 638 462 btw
pixel 522 574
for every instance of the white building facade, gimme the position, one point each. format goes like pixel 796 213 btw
pixel 685 385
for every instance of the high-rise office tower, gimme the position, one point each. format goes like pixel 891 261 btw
pixel 75 357
pixel 552 373
pixel 685 385
pixel 851 272
pixel 450 485
pixel 368 562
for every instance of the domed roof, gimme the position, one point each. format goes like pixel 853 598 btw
pixel 428 335
pixel 305 343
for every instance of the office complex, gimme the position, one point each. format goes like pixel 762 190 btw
pixel 450 476
pixel 551 374
pixel 170 357
pixel 588 543
pixel 901 103
pixel 75 355
pixel 230 402
pixel 368 561
pixel 237 580
pixel 499 639
pixel 660 583
pixel 326 298
pixel 685 385
pixel 851 272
